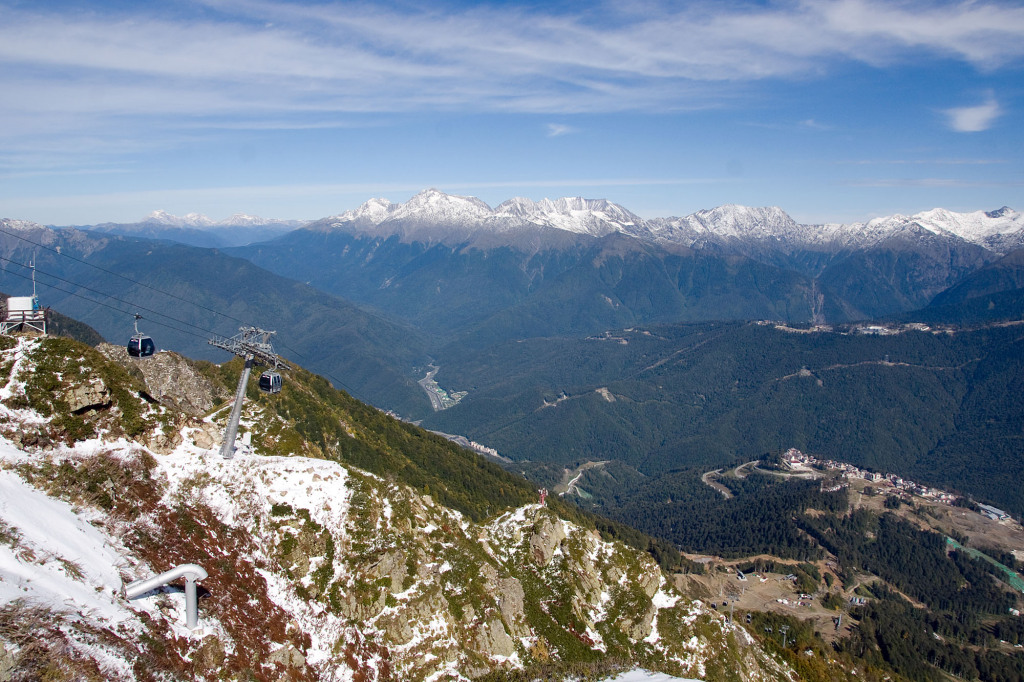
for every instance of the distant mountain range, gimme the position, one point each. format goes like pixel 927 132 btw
pixel 458 268
pixel 435 216
pixel 468 274
pixel 523 307
pixel 196 229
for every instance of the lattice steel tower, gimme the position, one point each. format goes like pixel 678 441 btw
pixel 253 344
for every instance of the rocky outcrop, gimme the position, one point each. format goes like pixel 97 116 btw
pixel 169 378
pixel 492 640
pixel 318 570
pixel 640 626
pixel 289 657
pixel 206 435
pixel 393 566
pixel 509 594
pixel 547 535
pixel 92 394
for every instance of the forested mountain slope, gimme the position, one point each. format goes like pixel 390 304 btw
pixel 937 406
pixel 187 294
pixel 551 285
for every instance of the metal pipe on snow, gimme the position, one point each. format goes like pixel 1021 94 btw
pixel 191 573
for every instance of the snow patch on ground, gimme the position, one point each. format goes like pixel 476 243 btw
pixel 639 675
pixel 59 559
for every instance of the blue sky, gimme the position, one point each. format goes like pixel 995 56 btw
pixel 833 110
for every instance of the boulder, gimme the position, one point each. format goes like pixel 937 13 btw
pixel 509 594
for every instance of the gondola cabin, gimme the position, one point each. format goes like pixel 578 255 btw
pixel 270 382
pixel 140 346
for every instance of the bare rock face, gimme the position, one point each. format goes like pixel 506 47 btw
pixel 492 640
pixel 392 565
pixel 207 435
pixel 357 608
pixel 638 628
pixel 170 379
pixel 547 535
pixel 162 442
pixel 650 582
pixel 289 657
pixel 93 394
pixel 509 594
pixel 397 628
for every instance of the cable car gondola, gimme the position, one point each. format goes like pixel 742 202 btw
pixel 270 382
pixel 140 345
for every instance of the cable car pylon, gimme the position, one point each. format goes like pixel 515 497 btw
pixel 252 344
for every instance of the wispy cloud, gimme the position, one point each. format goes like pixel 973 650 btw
pixel 974 119
pixel 112 82
pixel 559 129
pixel 262 59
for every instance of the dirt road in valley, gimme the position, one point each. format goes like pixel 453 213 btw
pixel 572 476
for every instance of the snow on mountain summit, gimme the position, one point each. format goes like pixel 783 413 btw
pixel 976 227
pixel 200 221
pixel 434 206
pixel 597 217
pixel 188 220
pixel 433 215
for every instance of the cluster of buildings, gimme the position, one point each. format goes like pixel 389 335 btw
pixel 889 330
pixel 870 329
pixel 796 460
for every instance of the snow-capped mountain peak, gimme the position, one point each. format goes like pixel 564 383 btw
pixel 433 215
pixel 242 219
pixel 20 225
pixel 469 215
pixel 189 220
pixel 200 221
pixel 976 226
pixel 733 220
pixel 433 205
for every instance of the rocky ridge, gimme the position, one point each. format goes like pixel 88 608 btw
pixel 317 570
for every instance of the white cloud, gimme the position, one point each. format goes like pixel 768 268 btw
pixel 974 119
pixel 287 57
pixel 559 129
pixel 145 78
